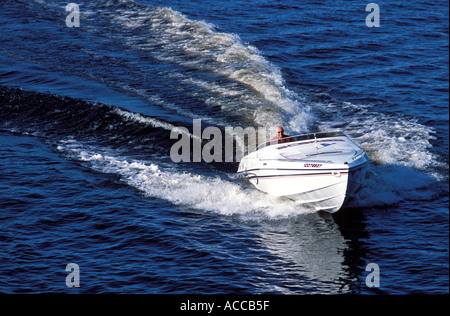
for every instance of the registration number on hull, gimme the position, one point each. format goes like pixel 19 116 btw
pixel 312 165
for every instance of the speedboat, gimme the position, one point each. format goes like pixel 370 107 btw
pixel 321 170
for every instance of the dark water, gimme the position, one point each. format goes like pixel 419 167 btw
pixel 86 115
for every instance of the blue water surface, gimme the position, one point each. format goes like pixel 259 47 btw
pixel 86 115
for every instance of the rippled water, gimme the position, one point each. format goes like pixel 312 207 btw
pixel 86 115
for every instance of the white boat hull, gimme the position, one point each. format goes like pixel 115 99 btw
pixel 323 179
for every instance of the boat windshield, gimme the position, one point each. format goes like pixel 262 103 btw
pixel 301 137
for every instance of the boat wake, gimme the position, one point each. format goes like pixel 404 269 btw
pixel 136 150
pixel 218 194
pixel 228 195
pixel 198 45
pixel 196 72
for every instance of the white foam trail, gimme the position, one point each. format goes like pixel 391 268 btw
pixel 170 36
pixel 388 139
pixel 136 117
pixel 390 184
pixel 183 188
pixel 385 185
